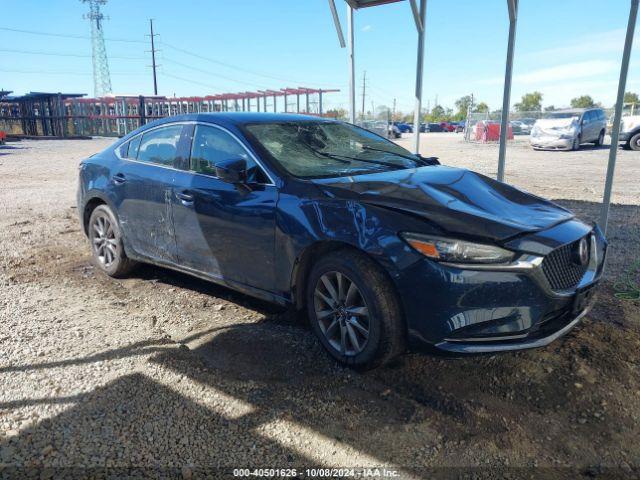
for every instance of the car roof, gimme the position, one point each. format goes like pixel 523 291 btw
pixel 242 118
pixel 576 110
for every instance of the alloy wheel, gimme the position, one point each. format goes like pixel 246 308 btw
pixel 341 313
pixel 104 240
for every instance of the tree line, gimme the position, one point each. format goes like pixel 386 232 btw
pixel 529 102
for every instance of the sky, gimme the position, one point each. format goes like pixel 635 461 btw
pixel 564 48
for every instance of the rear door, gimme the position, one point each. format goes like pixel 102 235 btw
pixel 224 230
pixel 144 183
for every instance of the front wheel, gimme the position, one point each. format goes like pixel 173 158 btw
pixel 634 142
pixel 576 143
pixel 106 243
pixel 354 310
pixel 600 139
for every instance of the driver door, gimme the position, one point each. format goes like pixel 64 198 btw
pixel 224 230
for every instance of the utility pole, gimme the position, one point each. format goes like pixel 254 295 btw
pixel 153 58
pixel 393 117
pixel 364 90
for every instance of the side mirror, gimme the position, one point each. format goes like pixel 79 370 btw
pixel 232 171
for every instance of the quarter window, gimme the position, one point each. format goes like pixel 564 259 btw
pixel 160 145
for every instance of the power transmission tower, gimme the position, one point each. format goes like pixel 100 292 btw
pixel 364 91
pixel 153 58
pixel 101 76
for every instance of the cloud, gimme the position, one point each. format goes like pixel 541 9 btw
pixel 567 71
pixel 611 41
pixel 367 28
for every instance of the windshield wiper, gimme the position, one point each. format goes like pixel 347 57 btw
pixel 341 158
pixel 417 158
pixel 338 156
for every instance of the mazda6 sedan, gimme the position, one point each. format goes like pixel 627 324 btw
pixel 383 248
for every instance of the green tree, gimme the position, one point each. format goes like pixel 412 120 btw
pixel 481 108
pixel 584 101
pixel 438 114
pixel 630 97
pixel 530 102
pixel 462 105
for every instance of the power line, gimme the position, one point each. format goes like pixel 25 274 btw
pixel 67 35
pixel 48 72
pixel 234 67
pixel 208 72
pixel 188 80
pixel 62 54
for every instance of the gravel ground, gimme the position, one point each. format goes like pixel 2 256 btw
pixel 163 374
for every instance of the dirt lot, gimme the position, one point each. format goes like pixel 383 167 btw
pixel 161 373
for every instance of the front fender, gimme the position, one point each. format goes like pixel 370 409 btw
pixel 304 223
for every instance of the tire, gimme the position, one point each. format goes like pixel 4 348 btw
pixel 600 139
pixel 375 301
pixel 634 142
pixel 576 143
pixel 105 238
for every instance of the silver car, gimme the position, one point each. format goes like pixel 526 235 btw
pixel 568 129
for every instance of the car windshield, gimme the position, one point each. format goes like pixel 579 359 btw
pixel 327 149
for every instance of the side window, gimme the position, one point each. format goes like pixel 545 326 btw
pixel 160 145
pixel 212 145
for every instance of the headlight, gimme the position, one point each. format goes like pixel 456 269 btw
pixel 456 251
pixel 565 132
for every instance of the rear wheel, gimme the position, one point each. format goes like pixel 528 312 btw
pixel 106 243
pixel 354 310
pixel 634 142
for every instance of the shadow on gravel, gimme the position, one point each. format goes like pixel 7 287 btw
pixel 573 403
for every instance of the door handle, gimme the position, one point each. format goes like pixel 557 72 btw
pixel 185 198
pixel 118 179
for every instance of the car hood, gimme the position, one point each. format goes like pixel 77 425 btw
pixel 545 123
pixel 458 201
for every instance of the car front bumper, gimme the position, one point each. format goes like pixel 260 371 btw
pixel 624 136
pixel 552 143
pixel 467 311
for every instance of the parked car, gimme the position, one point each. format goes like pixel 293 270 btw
pixel 447 127
pixel 460 126
pixel 568 129
pixel 520 127
pixel 393 131
pixel 382 248
pixel 404 127
pixel 433 127
pixel 630 127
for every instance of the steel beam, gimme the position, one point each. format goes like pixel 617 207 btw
pixel 416 15
pixel 506 96
pixel 352 66
pixel 336 22
pixel 617 117
pixel 419 74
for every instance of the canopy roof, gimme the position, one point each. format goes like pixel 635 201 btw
pixel 369 3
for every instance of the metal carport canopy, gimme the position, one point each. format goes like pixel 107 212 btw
pixel 419 15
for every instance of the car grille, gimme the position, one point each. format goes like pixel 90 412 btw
pixel 561 271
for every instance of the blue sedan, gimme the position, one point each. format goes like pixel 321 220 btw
pixel 384 249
